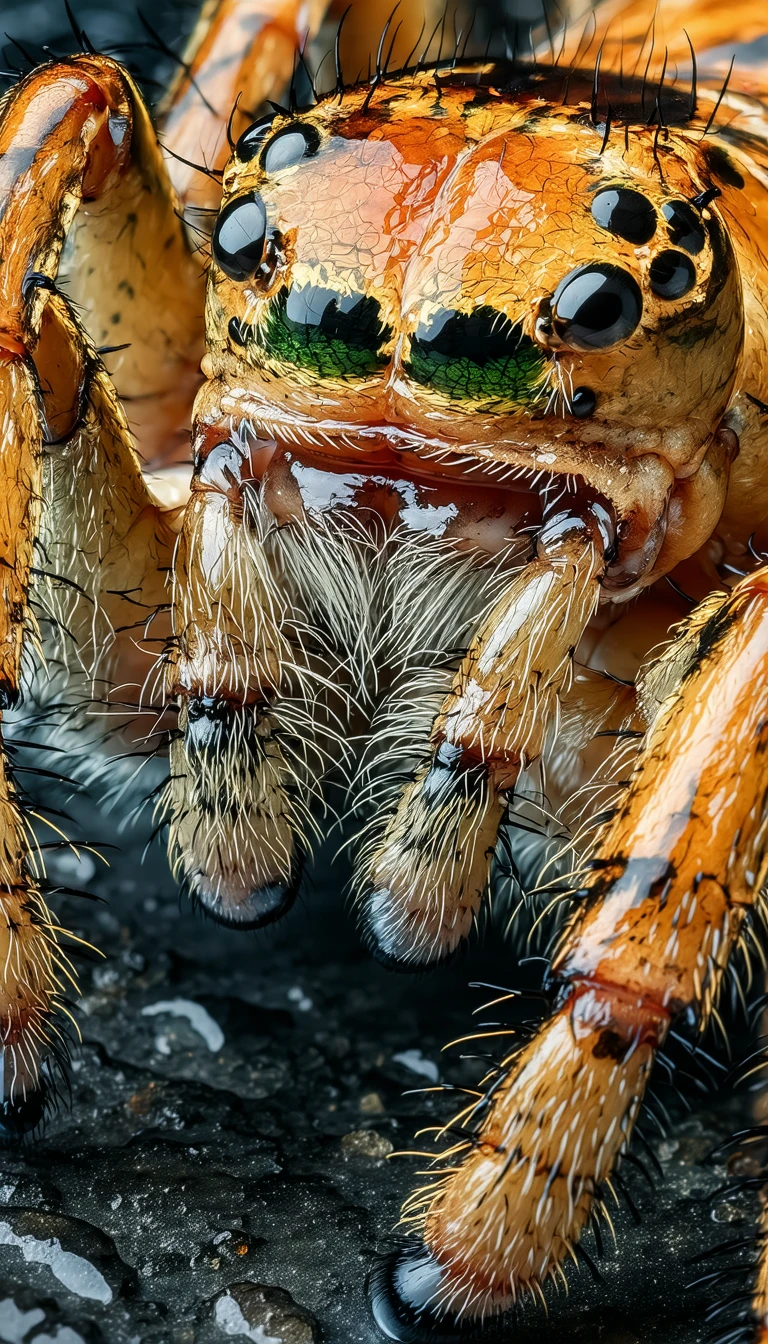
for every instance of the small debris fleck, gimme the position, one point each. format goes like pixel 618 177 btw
pixel 366 1143
pixel 371 1104
pixel 296 995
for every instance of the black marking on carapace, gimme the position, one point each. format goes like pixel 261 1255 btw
pixel 721 165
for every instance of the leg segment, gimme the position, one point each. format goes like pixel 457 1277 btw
pixel 91 173
pixel 32 963
pixel 664 896
pixel 760 1295
pixel 423 877
pixel 104 544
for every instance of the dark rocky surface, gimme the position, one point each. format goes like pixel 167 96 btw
pixel 223 1159
pixel 220 1171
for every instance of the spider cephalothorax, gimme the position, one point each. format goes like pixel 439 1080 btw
pixel 486 357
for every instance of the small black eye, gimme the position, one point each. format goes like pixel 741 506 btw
pixel 238 236
pixel 596 306
pixel 289 147
pixel 685 227
pixel 583 402
pixel 626 213
pixel 672 275
pixel 252 140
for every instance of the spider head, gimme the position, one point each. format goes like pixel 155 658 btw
pixel 441 269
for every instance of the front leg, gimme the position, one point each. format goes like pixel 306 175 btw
pixel 422 877
pixel 82 541
pixel 663 899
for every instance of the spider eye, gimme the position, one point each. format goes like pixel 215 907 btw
pixel 685 228
pixel 479 355
pixel 596 306
pixel 335 335
pixel 289 147
pixel 626 213
pixel 238 236
pixel 583 402
pixel 252 140
pixel 672 275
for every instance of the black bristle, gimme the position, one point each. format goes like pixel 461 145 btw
pixel 694 81
pixel 720 98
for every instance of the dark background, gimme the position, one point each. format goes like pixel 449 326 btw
pixel 180 1172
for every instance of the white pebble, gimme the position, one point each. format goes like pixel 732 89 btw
pixel 76 1273
pixel 232 1321
pixel 199 1019
pixel 418 1063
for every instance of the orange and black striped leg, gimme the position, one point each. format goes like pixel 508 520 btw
pixel 422 876
pixel 664 895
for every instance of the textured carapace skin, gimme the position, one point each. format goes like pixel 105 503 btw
pixel 485 359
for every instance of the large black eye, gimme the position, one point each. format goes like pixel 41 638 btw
pixel 252 140
pixel 480 355
pixel 289 147
pixel 238 236
pixel 685 228
pixel 672 275
pixel 625 213
pixel 596 306
pixel 332 334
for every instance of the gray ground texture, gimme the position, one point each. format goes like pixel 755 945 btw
pixel 221 1170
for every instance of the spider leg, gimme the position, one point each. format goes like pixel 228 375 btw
pixel 623 30
pixel 663 899
pixel 50 619
pixel 79 526
pixel 34 969
pixel 760 1290
pixel 422 880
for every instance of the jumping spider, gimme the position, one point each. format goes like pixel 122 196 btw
pixel 485 359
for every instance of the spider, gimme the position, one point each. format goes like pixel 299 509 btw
pixel 484 352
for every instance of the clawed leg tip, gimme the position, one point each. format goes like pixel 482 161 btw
pixel 251 910
pixel 22 1115
pixel 390 948
pixel 404 1290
